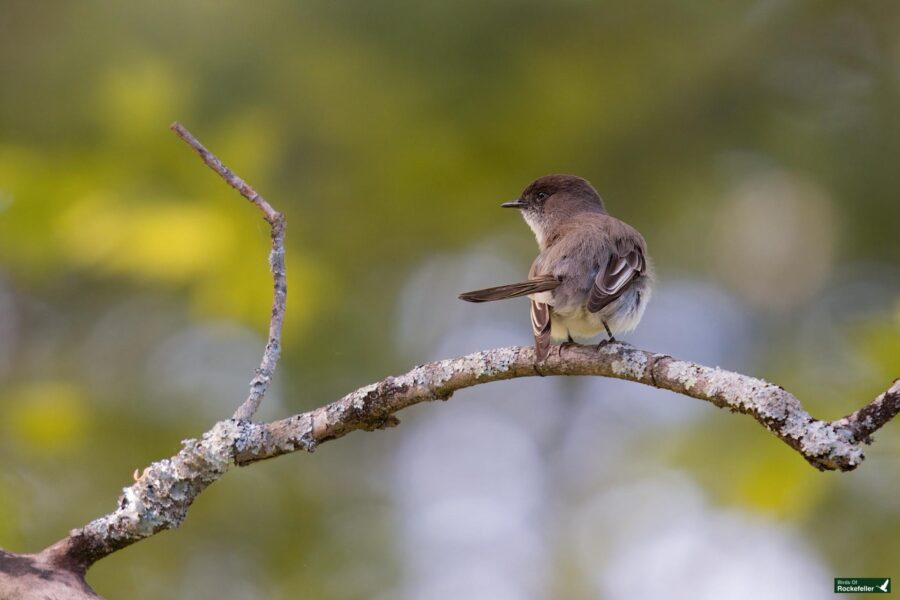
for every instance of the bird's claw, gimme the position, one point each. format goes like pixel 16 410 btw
pixel 607 342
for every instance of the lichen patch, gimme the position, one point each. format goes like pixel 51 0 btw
pixel 631 364
pixel 682 372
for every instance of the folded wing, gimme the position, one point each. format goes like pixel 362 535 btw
pixel 614 277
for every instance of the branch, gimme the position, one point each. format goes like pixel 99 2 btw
pixel 275 219
pixel 827 445
pixel 159 499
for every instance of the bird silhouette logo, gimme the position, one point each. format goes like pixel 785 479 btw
pixel 885 587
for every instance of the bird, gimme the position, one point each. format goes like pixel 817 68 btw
pixel 592 273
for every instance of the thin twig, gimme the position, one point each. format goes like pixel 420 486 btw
pixel 271 215
pixel 275 219
pixel 868 419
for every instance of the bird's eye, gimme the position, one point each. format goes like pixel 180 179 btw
pixel 541 195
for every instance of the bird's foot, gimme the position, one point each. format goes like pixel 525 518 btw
pixel 607 342
pixel 570 341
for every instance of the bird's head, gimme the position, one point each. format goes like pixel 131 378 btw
pixel 555 198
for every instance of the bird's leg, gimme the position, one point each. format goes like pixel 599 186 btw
pixel 609 333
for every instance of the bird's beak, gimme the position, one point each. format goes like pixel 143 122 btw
pixel 517 203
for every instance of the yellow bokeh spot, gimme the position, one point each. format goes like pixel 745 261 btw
pixel 136 99
pixel 245 289
pixel 776 484
pixel 253 138
pixel 879 343
pixel 220 257
pixel 159 242
pixel 47 416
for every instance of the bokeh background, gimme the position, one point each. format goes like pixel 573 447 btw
pixel 754 143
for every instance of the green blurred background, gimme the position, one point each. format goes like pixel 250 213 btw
pixel 753 143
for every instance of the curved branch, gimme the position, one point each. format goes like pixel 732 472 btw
pixel 275 219
pixel 160 498
pixel 827 445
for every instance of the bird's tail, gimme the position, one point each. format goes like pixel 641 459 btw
pixel 543 283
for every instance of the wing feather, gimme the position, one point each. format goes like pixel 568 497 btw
pixel 615 276
pixel 540 326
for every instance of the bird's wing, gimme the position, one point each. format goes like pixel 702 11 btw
pixel 540 326
pixel 541 283
pixel 613 278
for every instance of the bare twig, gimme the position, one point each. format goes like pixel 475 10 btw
pixel 271 215
pixel 868 419
pixel 275 219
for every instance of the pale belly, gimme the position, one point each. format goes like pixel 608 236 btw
pixel 579 324
pixel 621 316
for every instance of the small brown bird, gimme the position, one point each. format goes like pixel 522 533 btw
pixel 592 273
